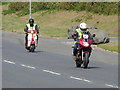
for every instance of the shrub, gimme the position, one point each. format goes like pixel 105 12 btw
pixel 4 3
pixel 105 8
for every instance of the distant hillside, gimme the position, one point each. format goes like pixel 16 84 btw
pixel 22 8
pixel 56 23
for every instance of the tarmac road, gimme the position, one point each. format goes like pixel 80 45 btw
pixel 51 65
pixel 114 39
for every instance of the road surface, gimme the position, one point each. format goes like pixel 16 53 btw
pixel 51 65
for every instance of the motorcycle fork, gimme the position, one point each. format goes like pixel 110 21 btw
pixel 82 55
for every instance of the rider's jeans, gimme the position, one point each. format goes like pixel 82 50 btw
pixel 75 49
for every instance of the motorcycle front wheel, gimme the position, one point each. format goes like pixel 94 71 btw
pixel 86 60
pixel 32 48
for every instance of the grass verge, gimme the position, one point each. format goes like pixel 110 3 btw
pixel 112 46
pixel 55 23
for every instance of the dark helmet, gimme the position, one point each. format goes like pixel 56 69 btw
pixel 31 21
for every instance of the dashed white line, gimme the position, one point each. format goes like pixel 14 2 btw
pixel 9 62
pixel 28 66
pixel 76 78
pixel 85 80
pixel 111 86
pixel 51 72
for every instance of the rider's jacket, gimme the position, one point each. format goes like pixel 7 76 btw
pixel 28 25
pixel 34 27
pixel 79 35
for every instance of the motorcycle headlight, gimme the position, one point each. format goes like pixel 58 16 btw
pixel 32 32
pixel 86 44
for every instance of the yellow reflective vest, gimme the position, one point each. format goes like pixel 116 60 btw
pixel 28 25
pixel 79 34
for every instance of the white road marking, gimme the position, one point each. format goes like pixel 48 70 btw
pixel 76 78
pixel 28 66
pixel 85 80
pixel 51 72
pixel 111 86
pixel 9 62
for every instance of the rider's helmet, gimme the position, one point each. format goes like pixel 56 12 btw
pixel 31 21
pixel 83 27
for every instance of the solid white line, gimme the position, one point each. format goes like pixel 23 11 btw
pixel 9 62
pixel 51 72
pixel 28 66
pixel 111 86
pixel 85 80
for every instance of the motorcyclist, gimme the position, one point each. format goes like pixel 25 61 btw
pixel 28 26
pixel 77 36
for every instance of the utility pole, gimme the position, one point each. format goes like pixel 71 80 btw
pixel 30 8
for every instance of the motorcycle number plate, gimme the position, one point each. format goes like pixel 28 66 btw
pixel 85 36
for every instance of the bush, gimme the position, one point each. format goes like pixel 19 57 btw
pixel 80 6
pixel 17 6
pixel 5 12
pixel 105 8
pixel 78 20
pixel 4 3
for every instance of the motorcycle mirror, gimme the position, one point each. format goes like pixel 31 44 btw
pixel 38 27
pixel 93 35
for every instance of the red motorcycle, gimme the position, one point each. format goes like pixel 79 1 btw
pixel 84 50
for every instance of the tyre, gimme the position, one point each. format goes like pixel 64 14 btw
pixel 32 48
pixel 86 60
pixel 29 50
pixel 27 47
pixel 78 62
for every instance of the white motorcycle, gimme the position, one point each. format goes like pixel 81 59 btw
pixel 32 40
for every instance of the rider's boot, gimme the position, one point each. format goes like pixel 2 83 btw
pixel 78 64
pixel 74 58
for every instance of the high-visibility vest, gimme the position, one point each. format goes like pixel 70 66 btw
pixel 79 34
pixel 29 28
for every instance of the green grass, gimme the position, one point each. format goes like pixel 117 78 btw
pixel 4 3
pixel 112 46
pixel 114 35
pixel 53 32
pixel 13 24
pixel 54 23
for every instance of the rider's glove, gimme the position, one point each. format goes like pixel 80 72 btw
pixel 75 37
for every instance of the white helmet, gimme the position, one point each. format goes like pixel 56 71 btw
pixel 83 26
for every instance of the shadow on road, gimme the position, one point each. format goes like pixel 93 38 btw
pixel 38 51
pixel 90 67
pixel 35 52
